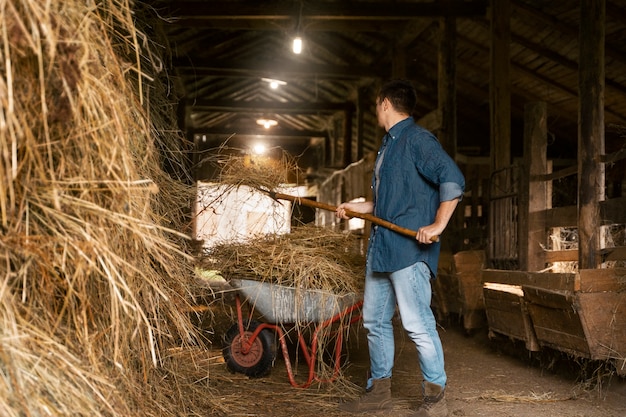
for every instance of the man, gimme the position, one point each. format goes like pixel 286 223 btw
pixel 418 186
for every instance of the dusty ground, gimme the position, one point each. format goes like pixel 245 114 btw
pixel 487 377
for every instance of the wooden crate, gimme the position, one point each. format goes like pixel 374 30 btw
pixel 468 266
pixel 506 307
pixel 507 313
pixel 556 320
pixel 445 288
pixel 589 322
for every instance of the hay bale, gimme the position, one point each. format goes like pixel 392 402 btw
pixel 94 269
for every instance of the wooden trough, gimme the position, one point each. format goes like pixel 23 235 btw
pixel 458 289
pixel 582 314
pixel 507 313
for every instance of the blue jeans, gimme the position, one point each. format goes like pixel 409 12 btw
pixel 410 289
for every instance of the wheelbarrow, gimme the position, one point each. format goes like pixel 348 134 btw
pixel 249 345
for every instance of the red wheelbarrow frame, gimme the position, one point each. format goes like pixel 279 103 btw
pixel 309 355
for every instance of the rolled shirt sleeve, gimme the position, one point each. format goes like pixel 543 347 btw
pixel 449 191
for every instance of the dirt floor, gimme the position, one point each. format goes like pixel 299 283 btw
pixel 493 377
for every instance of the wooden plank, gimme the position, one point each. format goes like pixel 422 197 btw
pixel 614 157
pixel 565 255
pixel 599 280
pixel 617 253
pixel 555 320
pixel 557 281
pixel 507 314
pixel 468 266
pixel 562 173
pixel 555 299
pixel 611 211
pixel 446 295
pixel 504 313
pixel 469 262
pixel 560 217
pixel 590 130
pixel 604 319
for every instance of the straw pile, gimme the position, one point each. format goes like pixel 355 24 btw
pixel 309 257
pixel 92 278
pixel 237 167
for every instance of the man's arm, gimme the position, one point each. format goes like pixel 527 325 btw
pixel 444 213
pixel 366 207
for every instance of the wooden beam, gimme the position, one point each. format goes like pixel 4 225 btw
pixel 361 109
pixel 533 194
pixel 565 255
pixel 571 255
pixel 556 24
pixel 599 280
pixel 180 12
pixel 590 131
pixel 240 106
pixel 398 61
pixel 558 59
pixel 499 85
pixel 283 70
pixel 522 70
pixel 447 84
pixel 611 212
pixel 347 138
pixel 556 281
pixel 274 132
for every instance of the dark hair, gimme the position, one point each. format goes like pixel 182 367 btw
pixel 401 94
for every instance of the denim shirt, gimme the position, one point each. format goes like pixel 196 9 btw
pixel 412 175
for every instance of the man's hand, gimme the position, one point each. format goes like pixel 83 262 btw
pixel 364 207
pixel 428 234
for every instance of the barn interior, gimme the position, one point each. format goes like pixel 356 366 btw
pixel 527 96
pixel 114 113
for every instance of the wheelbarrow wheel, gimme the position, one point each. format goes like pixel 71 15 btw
pixel 256 362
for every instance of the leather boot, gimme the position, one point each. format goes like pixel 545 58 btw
pixel 377 398
pixel 434 404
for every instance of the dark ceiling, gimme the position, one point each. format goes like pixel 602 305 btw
pixel 224 51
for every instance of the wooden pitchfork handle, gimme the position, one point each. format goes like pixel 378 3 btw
pixel 349 213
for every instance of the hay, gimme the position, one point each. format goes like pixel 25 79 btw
pixel 309 257
pixel 237 167
pixel 532 397
pixel 93 267
pixel 566 238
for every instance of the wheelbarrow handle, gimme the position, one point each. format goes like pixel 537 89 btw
pixel 365 216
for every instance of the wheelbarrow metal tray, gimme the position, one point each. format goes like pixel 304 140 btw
pixel 281 304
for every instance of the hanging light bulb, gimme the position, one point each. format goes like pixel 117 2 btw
pixel 259 149
pixel 267 123
pixel 297 41
pixel 274 84
pixel 297 45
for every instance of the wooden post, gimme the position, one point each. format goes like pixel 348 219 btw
pixel 347 138
pixel 590 131
pixel 361 109
pixel 398 63
pixel 534 197
pixel 447 84
pixel 499 85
